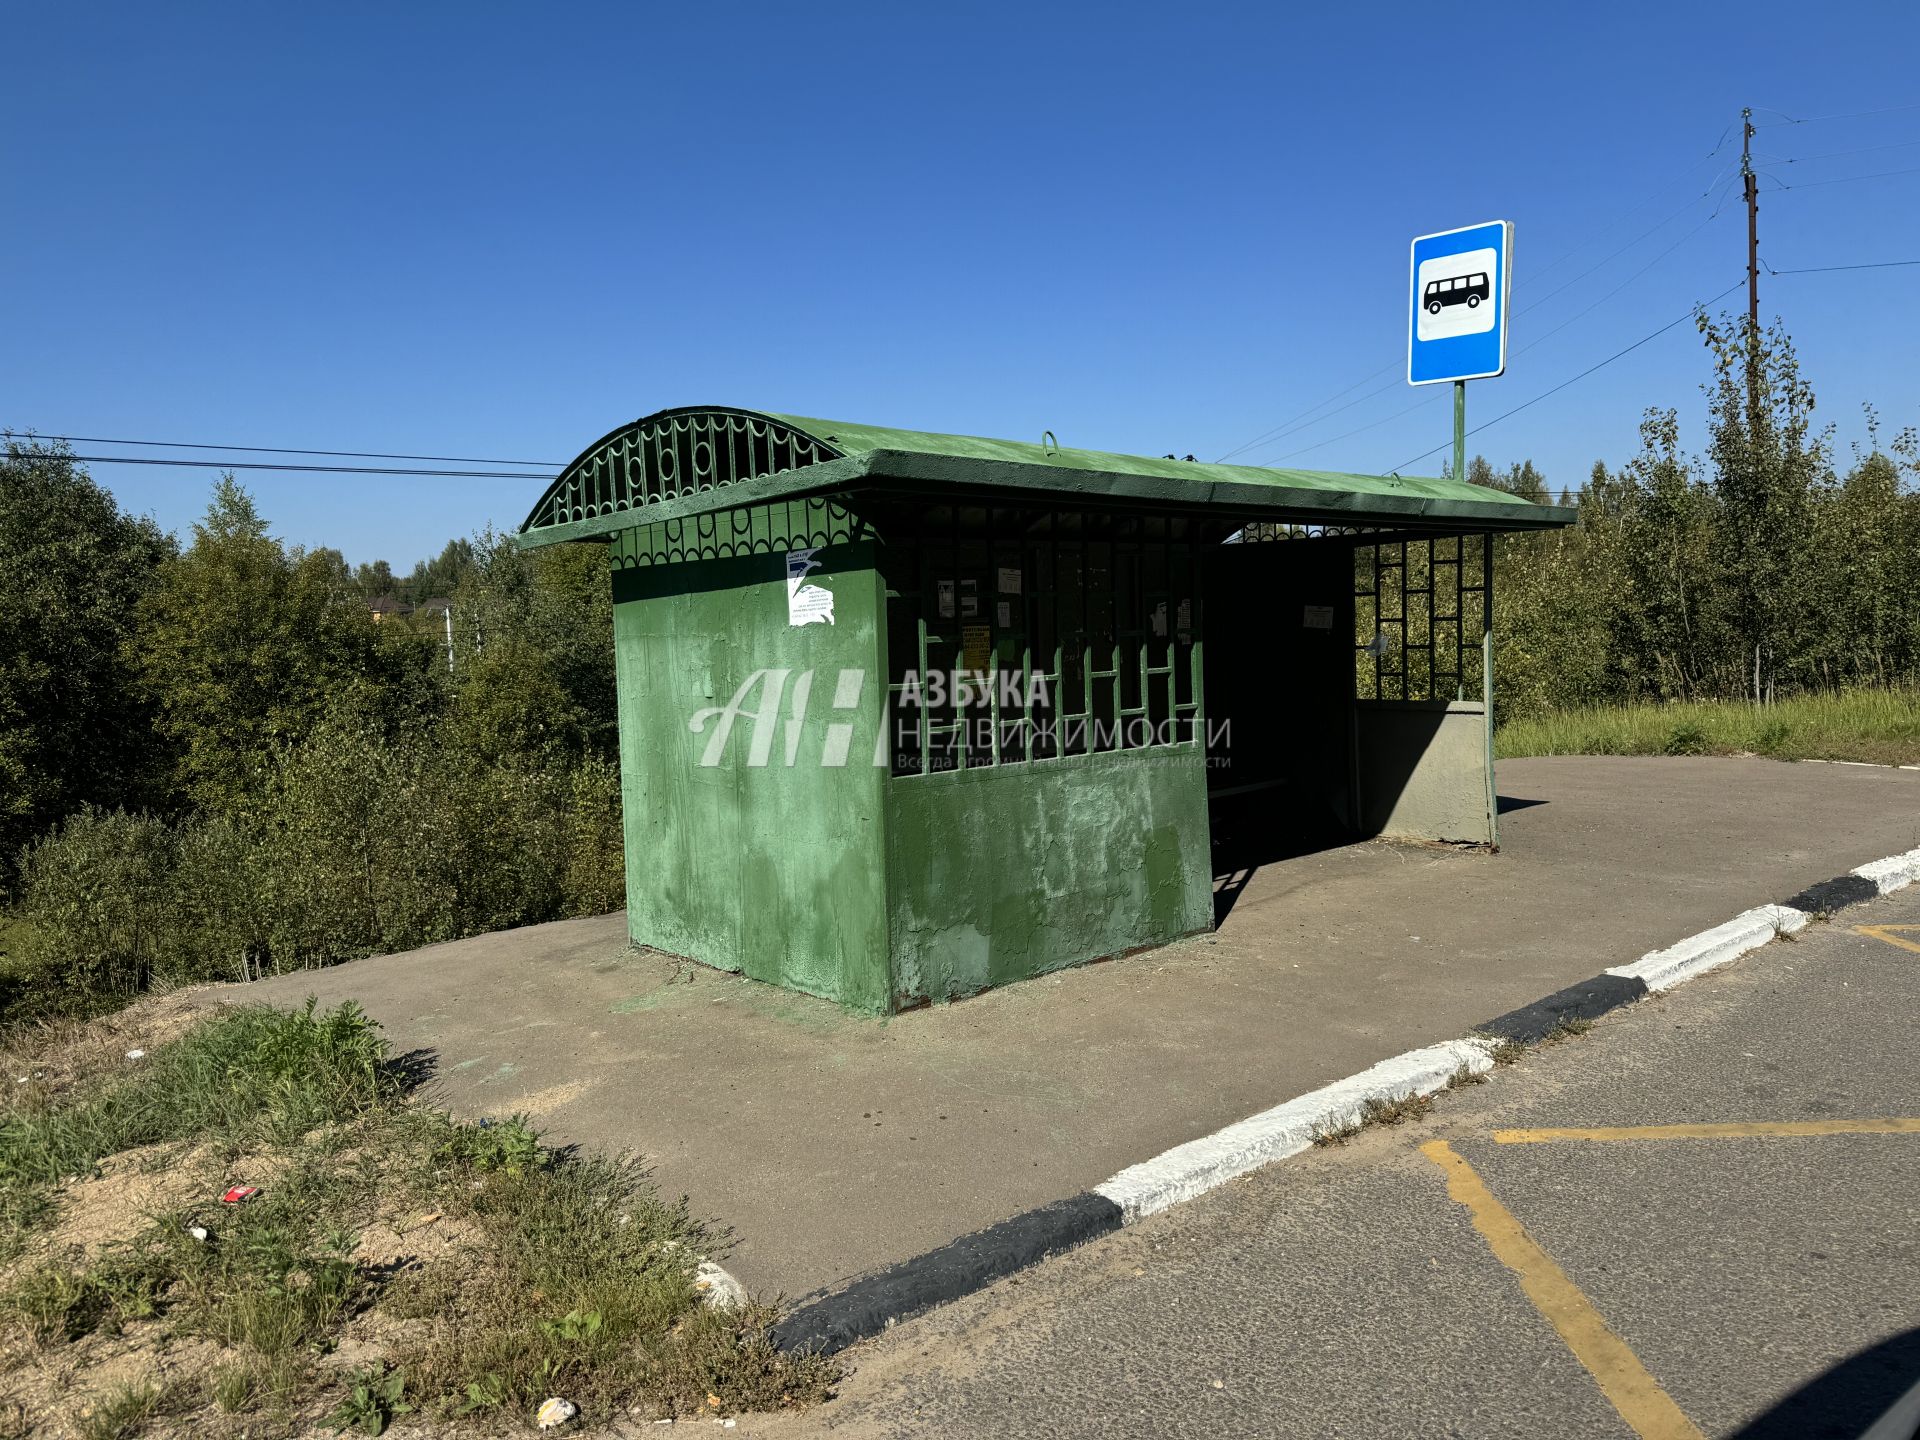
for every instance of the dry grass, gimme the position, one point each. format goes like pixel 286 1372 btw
pixel 395 1262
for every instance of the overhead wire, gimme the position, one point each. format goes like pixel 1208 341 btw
pixel 305 469
pixel 1601 365
pixel 1787 119
pixel 289 450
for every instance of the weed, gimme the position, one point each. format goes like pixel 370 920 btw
pixel 1466 1075
pixel 1686 739
pixel 1504 1050
pixel 373 1402
pixel 1325 1135
pixel 511 1145
pixel 1568 1026
pixel 1392 1109
pixel 233 1387
pixel 123 1412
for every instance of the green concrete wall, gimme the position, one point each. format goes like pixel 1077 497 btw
pixel 1000 873
pixel 776 871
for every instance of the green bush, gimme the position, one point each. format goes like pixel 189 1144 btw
pixel 363 842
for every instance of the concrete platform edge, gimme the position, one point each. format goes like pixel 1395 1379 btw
pixel 830 1321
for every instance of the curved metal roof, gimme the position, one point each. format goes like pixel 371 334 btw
pixel 699 459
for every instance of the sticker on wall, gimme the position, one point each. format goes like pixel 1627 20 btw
pixel 1009 581
pixel 806 604
pixel 1003 614
pixel 976 648
pixel 1159 620
pixel 1317 617
pixel 1183 619
pixel 969 599
pixel 945 595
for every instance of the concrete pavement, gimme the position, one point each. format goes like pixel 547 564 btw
pixel 1764 1286
pixel 838 1143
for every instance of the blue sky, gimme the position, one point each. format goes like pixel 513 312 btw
pixel 500 231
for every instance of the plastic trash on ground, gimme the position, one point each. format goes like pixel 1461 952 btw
pixel 234 1194
pixel 554 1412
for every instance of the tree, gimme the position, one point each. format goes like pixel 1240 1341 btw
pixel 74 729
pixel 244 644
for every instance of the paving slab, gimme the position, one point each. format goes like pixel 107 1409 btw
pixel 837 1143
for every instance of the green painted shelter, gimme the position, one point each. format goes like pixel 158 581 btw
pixel 905 715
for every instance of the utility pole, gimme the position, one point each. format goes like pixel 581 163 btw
pixel 1752 186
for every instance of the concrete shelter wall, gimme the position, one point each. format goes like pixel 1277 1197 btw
pixel 1423 769
pixel 775 870
pixel 999 873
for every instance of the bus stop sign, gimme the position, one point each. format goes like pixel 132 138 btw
pixel 1457 325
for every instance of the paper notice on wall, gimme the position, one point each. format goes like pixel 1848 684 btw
pixel 1183 619
pixel 944 593
pixel 1159 620
pixel 1009 581
pixel 1317 617
pixel 969 599
pixel 976 648
pixel 1003 615
pixel 807 604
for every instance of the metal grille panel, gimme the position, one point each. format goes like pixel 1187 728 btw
pixel 672 454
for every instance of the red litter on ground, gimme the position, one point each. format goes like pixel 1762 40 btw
pixel 236 1193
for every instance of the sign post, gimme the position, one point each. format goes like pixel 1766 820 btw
pixel 1459 283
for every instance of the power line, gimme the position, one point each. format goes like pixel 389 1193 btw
pixel 1845 115
pixel 286 450
pixel 1577 378
pixel 1287 427
pixel 1825 269
pixel 1847 179
pixel 305 469
pixel 1858 150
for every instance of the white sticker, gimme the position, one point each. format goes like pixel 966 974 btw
pixel 969 599
pixel 1009 581
pixel 806 604
pixel 1004 614
pixel 1159 620
pixel 1317 617
pixel 945 591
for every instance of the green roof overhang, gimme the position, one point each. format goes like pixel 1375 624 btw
pixel 695 461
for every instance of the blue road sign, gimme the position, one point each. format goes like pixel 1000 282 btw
pixel 1457 322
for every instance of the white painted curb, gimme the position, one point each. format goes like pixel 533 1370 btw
pixel 1198 1166
pixel 1697 954
pixel 1896 872
pixel 1188 1171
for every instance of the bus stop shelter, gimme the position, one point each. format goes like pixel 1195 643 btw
pixel 904 715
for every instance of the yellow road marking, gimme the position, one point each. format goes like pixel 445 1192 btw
pixel 1734 1130
pixel 1879 932
pixel 1647 1408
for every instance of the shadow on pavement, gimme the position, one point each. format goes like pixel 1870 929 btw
pixel 1845 1400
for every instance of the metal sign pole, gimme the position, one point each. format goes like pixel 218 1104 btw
pixel 1459 429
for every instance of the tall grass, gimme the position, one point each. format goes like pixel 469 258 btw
pixel 1876 726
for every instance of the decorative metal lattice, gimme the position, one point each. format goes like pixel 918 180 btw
pixel 1082 630
pixel 1422 610
pixel 674 453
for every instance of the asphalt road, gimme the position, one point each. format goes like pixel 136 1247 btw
pixel 1445 1277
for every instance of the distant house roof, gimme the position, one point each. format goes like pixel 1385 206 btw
pixel 437 605
pixel 702 459
pixel 388 605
